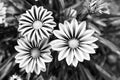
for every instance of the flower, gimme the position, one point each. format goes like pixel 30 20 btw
pixel 70 13
pixel 98 6
pixel 15 77
pixel 74 42
pixel 32 55
pixel 36 23
pixel 2 12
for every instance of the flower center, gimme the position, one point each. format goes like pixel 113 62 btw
pixel 35 53
pixel 73 43
pixel 37 24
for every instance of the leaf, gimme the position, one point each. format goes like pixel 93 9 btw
pixel 104 73
pixel 82 74
pixel 6 62
pixel 28 76
pixel 62 3
pixel 109 44
pixel 12 10
pixel 6 70
pixel 116 22
pixel 19 4
pixel 92 26
pixel 52 78
pixel 89 75
pixel 40 78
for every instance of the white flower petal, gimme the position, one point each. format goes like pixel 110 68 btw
pixel 38 36
pixel 93 45
pixel 34 61
pixel 87 49
pixel 18 60
pixel 24 22
pixel 43 43
pixel 24 25
pixel 44 14
pixel 48 21
pixel 31 36
pixel 47 17
pixel 22 43
pixel 58 45
pixel 59 35
pixel 43 69
pixel 28 14
pixel 74 25
pixel 27 68
pixel 69 58
pixel 26 31
pixel 21 49
pixel 20 56
pixel 37 69
pixel 41 63
pixel 26 18
pixel 23 61
pixel 75 62
pixel 46 34
pixel 41 33
pixel 46 57
pixel 44 27
pixel 64 30
pixel 66 23
pixel 15 77
pixel 73 13
pixel 40 12
pixel 32 12
pixel 31 63
pixel 87 34
pixel 69 28
pixel 81 29
pixel 79 55
pixel 88 40
pixel 49 26
pixel 86 56
pixel 36 11
pixel 63 54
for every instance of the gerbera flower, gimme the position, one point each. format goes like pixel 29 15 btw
pixel 15 77
pixel 74 42
pixel 2 13
pixel 36 22
pixel 98 6
pixel 71 13
pixel 32 55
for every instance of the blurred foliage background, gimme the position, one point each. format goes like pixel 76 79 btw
pixel 104 65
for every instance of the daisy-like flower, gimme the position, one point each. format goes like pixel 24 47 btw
pixel 71 13
pixel 2 13
pixel 36 23
pixel 74 42
pixel 15 77
pixel 32 55
pixel 98 6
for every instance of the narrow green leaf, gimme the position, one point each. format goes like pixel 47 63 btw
pixel 82 74
pixel 6 70
pixel 89 75
pixel 109 44
pixel 62 3
pixel 104 73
